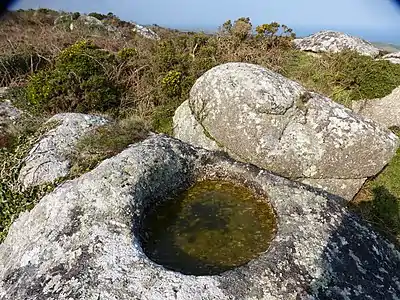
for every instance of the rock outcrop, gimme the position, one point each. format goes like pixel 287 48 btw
pixel 82 240
pixel 261 117
pixel 385 111
pixel 86 22
pixel 334 41
pixel 392 57
pixel 89 22
pixel 48 160
pixel 145 32
pixel 8 113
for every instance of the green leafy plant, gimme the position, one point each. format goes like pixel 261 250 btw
pixel 75 15
pixel 242 28
pixel 127 54
pixel 79 81
pixel 13 199
pixel 363 76
pixel 172 83
pixel 98 16
pixel 277 35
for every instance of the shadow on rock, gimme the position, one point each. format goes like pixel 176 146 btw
pixel 359 263
pixel 383 211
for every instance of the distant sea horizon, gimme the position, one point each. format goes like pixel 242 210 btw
pixel 384 35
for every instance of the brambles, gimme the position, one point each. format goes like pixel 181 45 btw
pixel 17 65
pixel 344 77
pixel 364 77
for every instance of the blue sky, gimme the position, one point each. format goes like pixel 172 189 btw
pixel 371 19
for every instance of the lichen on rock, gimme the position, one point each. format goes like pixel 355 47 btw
pixel 261 117
pixel 334 41
pixel 82 240
pixel 49 160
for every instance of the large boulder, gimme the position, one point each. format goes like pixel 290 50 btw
pixel 385 111
pixel 261 117
pixel 49 158
pixel 334 41
pixel 392 57
pixel 90 21
pixel 64 21
pixel 82 241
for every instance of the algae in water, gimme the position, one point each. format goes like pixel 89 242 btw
pixel 212 227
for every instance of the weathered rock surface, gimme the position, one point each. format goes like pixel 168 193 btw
pixel 63 20
pixel 82 240
pixel 261 117
pixel 385 111
pixel 334 41
pixel 86 22
pixel 8 113
pixel 48 159
pixel 90 21
pixel 392 57
pixel 189 130
pixel 145 32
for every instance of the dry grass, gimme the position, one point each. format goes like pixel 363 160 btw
pixel 29 42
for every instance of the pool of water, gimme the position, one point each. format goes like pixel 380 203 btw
pixel 212 227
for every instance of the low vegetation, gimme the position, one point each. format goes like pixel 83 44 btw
pixel 13 198
pixel 140 82
pixel 78 81
pixel 106 141
pixel 379 199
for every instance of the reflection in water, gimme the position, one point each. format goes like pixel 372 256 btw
pixel 212 227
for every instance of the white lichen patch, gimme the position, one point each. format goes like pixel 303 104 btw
pixel 274 123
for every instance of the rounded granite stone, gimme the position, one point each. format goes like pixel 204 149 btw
pixel 82 240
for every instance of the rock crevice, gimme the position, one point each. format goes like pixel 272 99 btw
pixel 311 138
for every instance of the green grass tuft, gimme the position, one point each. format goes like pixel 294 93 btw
pixel 379 200
pixel 105 142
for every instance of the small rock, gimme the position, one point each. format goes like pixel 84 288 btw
pixel 48 159
pixel 385 111
pixel 334 41
pixel 8 113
